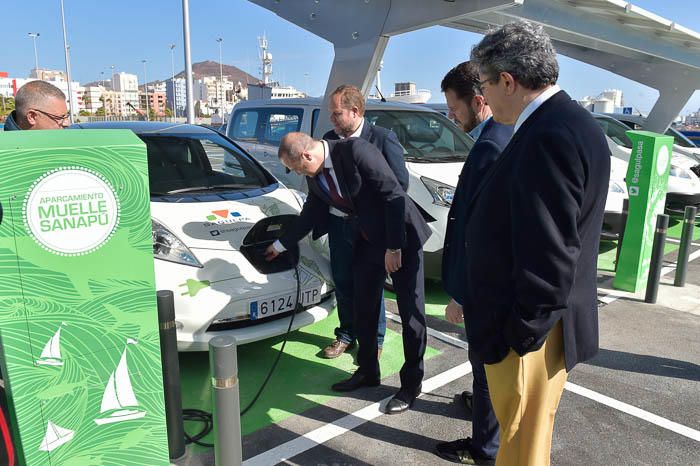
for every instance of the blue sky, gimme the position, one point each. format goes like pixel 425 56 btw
pixel 125 33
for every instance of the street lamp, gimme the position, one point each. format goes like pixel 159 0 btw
pixel 222 99
pixel 306 79
pixel 145 88
pixel 73 108
pixel 111 79
pixel 34 36
pixel 172 61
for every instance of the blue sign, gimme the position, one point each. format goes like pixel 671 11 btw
pixel 627 110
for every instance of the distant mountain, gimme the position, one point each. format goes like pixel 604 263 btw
pixel 211 68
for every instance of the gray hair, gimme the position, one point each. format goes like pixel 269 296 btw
pixel 293 145
pixel 34 94
pixel 522 49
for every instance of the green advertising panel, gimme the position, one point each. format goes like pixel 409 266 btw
pixel 78 319
pixel 647 180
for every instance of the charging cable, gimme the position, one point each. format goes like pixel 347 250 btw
pixel 205 417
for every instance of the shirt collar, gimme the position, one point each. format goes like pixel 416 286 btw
pixel 326 155
pixel 357 132
pixel 476 132
pixel 534 105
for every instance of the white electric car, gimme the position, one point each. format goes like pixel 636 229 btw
pixel 683 183
pixel 207 224
pixel 435 150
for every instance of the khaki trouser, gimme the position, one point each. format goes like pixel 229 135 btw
pixel 525 392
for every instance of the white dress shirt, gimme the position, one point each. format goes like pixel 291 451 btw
pixel 534 105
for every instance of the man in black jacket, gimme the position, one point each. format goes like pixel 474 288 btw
pixel 532 237
pixel 389 233
pixel 347 109
pixel 471 112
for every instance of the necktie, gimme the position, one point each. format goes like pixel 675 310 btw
pixel 337 200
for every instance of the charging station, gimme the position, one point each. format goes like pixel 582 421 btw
pixel 647 181
pixel 78 321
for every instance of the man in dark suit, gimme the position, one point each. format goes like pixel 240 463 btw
pixel 347 109
pixel 351 175
pixel 531 235
pixel 468 108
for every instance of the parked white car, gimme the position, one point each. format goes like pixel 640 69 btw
pixel 203 221
pixel 683 183
pixel 435 150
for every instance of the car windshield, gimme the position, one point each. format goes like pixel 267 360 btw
pixel 194 163
pixel 426 137
pixel 679 138
pixel 615 130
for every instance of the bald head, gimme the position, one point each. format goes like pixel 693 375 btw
pixel 301 153
pixel 41 105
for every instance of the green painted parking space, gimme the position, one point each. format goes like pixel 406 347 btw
pixel 301 381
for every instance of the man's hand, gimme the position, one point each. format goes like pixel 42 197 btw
pixel 453 312
pixel 392 260
pixel 271 253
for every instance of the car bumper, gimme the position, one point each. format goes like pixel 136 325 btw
pixel 612 225
pixel 259 331
pixel 676 202
pixel 432 263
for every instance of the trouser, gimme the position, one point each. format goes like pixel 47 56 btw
pixel 369 275
pixel 484 423
pixel 525 392
pixel 341 233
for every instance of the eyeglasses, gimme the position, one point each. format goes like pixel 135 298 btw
pixel 58 119
pixel 487 80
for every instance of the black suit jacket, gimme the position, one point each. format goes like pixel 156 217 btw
pixel 488 147
pixel 532 236
pixel 384 216
pixel 388 144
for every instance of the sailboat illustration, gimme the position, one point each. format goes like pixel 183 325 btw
pixel 55 437
pixel 51 355
pixel 119 401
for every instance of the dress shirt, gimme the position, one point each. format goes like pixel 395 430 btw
pixel 534 105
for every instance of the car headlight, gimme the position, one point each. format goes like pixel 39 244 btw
pixel 442 193
pixel 680 173
pixel 168 247
pixel 615 187
pixel 299 196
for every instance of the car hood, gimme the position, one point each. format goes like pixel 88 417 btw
pixel 447 173
pixel 220 224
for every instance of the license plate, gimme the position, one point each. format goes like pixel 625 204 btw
pixel 278 304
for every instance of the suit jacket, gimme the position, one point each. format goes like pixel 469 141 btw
pixel 488 147
pixel 384 215
pixel 532 234
pixel 388 144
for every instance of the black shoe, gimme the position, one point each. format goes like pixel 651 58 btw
pixel 467 397
pixel 461 451
pixel 402 401
pixel 356 381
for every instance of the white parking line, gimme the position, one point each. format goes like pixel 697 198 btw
pixel 351 421
pixel 634 411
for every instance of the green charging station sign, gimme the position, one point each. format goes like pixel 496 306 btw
pixel 78 320
pixel 647 181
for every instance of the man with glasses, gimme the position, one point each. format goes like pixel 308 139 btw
pixel 532 238
pixel 38 105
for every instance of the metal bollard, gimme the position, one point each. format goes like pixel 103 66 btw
pixel 621 234
pixel 171 374
pixel 657 258
pixel 684 251
pixel 223 363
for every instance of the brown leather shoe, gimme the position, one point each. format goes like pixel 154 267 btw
pixel 335 349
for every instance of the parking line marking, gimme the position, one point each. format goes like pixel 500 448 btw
pixel 634 411
pixel 351 421
pixel 454 341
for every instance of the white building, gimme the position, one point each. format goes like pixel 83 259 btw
pixel 179 95
pixel 127 85
pixel 608 101
pixel 92 98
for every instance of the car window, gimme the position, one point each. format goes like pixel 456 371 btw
pixel 244 125
pixel 615 130
pixel 281 122
pixel 195 163
pixel 314 120
pixel 425 136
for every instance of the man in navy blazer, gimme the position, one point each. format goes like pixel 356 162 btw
pixel 347 109
pixel 389 233
pixel 468 108
pixel 532 236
